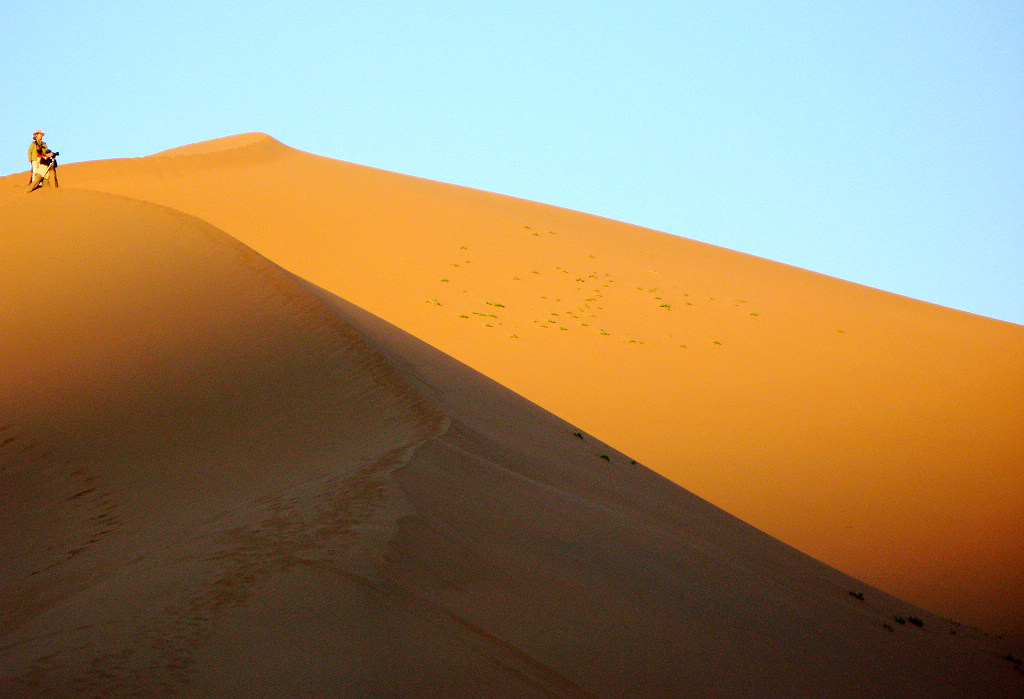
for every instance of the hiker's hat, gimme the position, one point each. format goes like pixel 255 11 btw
pixel 39 131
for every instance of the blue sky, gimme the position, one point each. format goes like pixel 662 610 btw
pixel 880 142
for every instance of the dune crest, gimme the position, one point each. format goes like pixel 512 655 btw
pixel 220 145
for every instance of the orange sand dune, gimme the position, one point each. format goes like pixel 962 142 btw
pixel 882 435
pixel 220 480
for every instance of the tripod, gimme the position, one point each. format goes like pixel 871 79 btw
pixel 51 171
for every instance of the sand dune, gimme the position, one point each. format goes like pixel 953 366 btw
pixel 223 479
pixel 882 435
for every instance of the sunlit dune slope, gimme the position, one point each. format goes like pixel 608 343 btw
pixel 880 434
pixel 220 480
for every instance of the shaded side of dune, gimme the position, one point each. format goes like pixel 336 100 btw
pixel 179 423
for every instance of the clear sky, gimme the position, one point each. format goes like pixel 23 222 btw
pixel 878 141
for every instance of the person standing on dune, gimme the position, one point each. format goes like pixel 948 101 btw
pixel 41 157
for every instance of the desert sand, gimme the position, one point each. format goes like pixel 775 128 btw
pixel 277 424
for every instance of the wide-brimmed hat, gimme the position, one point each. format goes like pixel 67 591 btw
pixel 39 131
